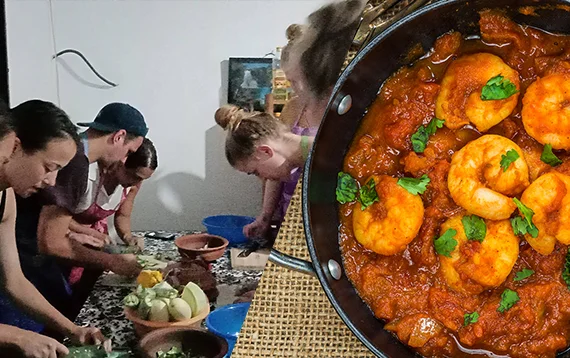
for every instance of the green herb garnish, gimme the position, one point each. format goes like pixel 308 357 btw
pixel 368 194
pixel 549 157
pixel 498 87
pixel 346 188
pixel 508 159
pixel 469 318
pixel 566 270
pixel 527 215
pixel 414 185
pixel 521 227
pixel 445 244
pixel 421 137
pixel 522 274
pixel 508 300
pixel 474 227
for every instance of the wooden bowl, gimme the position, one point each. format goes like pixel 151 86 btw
pixel 192 246
pixel 198 341
pixel 143 327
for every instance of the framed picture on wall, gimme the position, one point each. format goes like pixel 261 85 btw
pixel 250 79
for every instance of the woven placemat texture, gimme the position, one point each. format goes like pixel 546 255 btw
pixel 290 315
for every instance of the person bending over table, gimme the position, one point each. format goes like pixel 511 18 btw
pixel 36 140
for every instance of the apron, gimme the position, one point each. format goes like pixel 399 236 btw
pixel 96 217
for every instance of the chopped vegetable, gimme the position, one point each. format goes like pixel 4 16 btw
pixel 508 300
pixel 445 244
pixel 149 278
pixel 346 188
pixel 95 352
pixel 163 289
pixel 415 185
pixel 549 157
pixel 474 227
pixel 421 137
pixel 469 318
pixel 131 300
pixel 368 194
pixel 509 158
pixel 498 87
pixel 149 262
pixel 522 274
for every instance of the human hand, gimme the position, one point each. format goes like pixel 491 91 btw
pixel 126 265
pixel 34 345
pixel 85 239
pixel 256 229
pixel 89 336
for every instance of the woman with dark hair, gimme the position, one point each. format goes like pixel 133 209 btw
pixel 37 139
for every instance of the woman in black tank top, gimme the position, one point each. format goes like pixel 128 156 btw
pixel 36 140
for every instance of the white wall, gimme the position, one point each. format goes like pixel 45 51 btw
pixel 167 58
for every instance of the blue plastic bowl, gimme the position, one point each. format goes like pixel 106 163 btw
pixel 229 227
pixel 226 322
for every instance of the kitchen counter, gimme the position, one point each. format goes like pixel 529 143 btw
pixel 104 308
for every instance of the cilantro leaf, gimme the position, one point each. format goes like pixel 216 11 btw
pixel 469 318
pixel 521 227
pixel 368 194
pixel 421 137
pixel 498 87
pixel 566 271
pixel 415 185
pixel 508 300
pixel 508 159
pixel 549 157
pixel 522 274
pixel 445 244
pixel 474 227
pixel 346 188
pixel 527 214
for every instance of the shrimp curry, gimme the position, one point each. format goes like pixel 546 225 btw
pixel 455 196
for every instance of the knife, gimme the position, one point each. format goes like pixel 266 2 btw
pixel 254 247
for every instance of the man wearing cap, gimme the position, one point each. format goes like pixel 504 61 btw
pixel 43 219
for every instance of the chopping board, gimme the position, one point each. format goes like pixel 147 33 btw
pixel 255 261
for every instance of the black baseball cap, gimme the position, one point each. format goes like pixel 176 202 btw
pixel 117 116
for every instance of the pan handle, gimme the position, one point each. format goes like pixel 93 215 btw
pixel 291 263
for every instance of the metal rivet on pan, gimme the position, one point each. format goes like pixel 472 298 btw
pixel 344 105
pixel 334 269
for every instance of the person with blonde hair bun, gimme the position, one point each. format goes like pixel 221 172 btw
pixel 259 144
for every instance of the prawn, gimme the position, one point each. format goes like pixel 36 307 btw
pixel 477 182
pixel 546 110
pixel 390 224
pixel 476 266
pixel 549 198
pixel 459 99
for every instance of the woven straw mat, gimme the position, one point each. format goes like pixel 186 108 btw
pixel 290 315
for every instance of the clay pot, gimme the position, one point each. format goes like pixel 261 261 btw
pixel 200 342
pixel 192 246
pixel 143 327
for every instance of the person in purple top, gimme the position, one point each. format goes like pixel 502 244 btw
pixel 259 144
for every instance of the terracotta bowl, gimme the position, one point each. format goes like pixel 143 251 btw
pixel 199 341
pixel 143 327
pixel 191 246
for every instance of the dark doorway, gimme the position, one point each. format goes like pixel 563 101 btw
pixel 4 94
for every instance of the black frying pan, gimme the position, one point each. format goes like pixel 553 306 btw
pixel 361 81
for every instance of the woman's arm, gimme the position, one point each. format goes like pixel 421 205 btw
pixel 271 196
pixel 23 293
pixel 123 215
pixel 82 229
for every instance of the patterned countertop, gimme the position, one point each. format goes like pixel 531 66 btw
pixel 104 308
